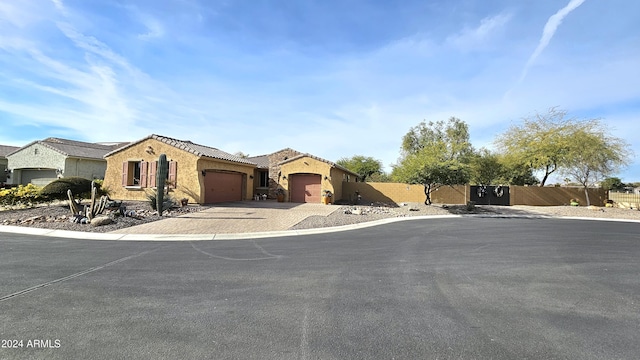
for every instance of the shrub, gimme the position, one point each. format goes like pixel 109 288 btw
pixel 57 190
pixel 21 195
pixel 100 189
pixel 167 201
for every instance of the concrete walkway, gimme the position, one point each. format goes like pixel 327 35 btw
pixel 236 217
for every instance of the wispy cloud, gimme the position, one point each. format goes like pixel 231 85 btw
pixel 547 33
pixel 154 27
pixel 60 6
pixel 475 38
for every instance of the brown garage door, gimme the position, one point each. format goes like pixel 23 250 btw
pixel 306 188
pixel 222 187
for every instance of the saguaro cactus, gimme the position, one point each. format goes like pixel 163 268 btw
pixel 161 177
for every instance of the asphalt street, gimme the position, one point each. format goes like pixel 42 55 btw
pixel 466 288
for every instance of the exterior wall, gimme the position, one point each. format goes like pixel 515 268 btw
pixel 274 168
pixel 519 195
pixel 3 167
pixel 27 158
pixel 394 193
pixel 85 168
pixel 554 196
pixel 307 165
pixel 220 165
pixel 189 179
pixel 338 177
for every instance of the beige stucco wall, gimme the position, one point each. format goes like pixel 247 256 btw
pixel 398 192
pixel 189 180
pixel 219 165
pixel 332 178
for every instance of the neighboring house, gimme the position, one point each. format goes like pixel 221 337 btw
pixel 305 178
pixel 40 162
pixel 4 151
pixel 199 173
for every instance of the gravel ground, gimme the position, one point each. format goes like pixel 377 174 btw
pixel 371 213
pixel 56 216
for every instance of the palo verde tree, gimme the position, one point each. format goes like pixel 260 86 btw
pixel 435 154
pixel 486 167
pixel 364 166
pixel 541 142
pixel 594 155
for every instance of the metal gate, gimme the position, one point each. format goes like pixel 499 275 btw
pixel 490 195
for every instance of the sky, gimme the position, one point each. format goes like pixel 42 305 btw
pixel 334 78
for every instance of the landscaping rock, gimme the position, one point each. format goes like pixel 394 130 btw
pixel 101 220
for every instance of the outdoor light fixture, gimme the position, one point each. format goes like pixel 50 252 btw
pixel 326 177
pixel 204 173
pixel 250 176
pixel 59 171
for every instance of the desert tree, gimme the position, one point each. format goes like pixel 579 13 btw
pixel 365 166
pixel 435 154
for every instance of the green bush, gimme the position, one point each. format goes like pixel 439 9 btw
pixel 57 190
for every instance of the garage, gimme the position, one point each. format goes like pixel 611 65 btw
pixel 222 187
pixel 306 188
pixel 37 177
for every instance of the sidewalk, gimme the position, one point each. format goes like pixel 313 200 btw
pixel 238 217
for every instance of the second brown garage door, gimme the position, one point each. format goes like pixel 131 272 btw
pixel 222 187
pixel 306 188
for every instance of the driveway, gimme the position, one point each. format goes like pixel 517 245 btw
pixel 243 216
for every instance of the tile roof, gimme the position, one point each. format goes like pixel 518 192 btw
pixel 188 146
pixel 261 161
pixel 6 150
pixel 72 148
pixel 319 159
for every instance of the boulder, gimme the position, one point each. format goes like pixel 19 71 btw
pixel 101 220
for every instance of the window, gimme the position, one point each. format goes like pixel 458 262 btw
pixel 143 174
pixel 264 179
pixel 134 173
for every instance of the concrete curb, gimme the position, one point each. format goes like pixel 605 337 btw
pixel 261 235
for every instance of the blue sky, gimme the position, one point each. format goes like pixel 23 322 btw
pixel 334 78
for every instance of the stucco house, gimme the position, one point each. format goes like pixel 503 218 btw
pixel 43 161
pixel 206 175
pixel 305 178
pixel 199 173
pixel 4 151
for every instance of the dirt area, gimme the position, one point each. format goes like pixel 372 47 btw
pixel 58 216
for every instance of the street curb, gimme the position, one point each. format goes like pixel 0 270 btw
pixel 268 234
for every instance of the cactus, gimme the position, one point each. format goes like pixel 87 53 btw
pixel 73 205
pixel 161 177
pixel 91 212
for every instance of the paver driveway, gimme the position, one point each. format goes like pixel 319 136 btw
pixel 236 217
